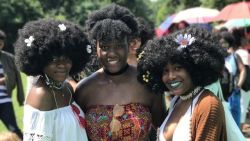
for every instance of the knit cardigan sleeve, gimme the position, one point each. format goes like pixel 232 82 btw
pixel 208 120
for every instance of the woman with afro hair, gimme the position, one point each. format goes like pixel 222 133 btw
pixel 52 50
pixel 183 64
pixel 117 106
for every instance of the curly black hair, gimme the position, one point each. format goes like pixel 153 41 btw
pixel 50 41
pixel 203 59
pixel 229 38
pixel 145 33
pixel 111 22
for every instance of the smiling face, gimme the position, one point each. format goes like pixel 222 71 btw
pixel 58 69
pixel 113 55
pixel 177 79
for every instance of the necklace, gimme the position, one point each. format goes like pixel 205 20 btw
pixel 191 94
pixel 54 94
pixel 53 84
pixel 124 69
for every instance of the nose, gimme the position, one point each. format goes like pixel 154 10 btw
pixel 111 52
pixel 171 75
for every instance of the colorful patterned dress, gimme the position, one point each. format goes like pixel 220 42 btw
pixel 134 122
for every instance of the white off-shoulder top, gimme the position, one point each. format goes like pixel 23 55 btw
pixel 62 124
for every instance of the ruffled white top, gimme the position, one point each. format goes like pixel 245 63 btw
pixel 62 124
pixel 182 131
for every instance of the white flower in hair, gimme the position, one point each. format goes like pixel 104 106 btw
pixel 29 41
pixel 62 27
pixel 184 40
pixel 89 49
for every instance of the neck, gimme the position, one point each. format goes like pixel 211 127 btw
pixel 191 94
pixel 52 83
pixel 123 70
pixel 132 60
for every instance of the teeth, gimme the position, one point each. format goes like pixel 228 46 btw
pixel 174 85
pixel 112 61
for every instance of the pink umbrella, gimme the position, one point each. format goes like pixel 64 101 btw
pixel 196 15
pixel 163 28
pixel 238 10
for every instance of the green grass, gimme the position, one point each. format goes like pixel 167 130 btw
pixel 17 108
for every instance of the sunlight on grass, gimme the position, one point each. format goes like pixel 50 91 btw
pixel 17 108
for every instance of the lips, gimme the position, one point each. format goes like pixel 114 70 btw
pixel 113 61
pixel 175 84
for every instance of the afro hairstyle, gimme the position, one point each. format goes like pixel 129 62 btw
pixel 50 41
pixel 113 22
pixel 229 38
pixel 145 32
pixel 203 59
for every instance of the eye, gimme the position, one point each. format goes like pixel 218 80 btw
pixel 54 60
pixel 165 71
pixel 104 48
pixel 177 68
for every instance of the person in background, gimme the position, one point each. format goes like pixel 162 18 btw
pixel 92 66
pixel 117 106
pixel 52 50
pixel 242 42
pixel 234 75
pixel 145 33
pixel 183 63
pixel 9 79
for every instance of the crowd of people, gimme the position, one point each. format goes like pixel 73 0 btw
pixel 113 80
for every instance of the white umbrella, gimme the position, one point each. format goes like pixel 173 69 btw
pixel 196 15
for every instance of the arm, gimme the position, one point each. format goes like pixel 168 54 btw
pixel 208 119
pixel 242 71
pixel 20 92
pixel 158 110
pixel 79 95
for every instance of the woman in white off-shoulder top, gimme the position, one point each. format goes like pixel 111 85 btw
pixel 51 50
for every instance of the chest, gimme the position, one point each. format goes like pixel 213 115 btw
pixel 109 93
pixel 180 113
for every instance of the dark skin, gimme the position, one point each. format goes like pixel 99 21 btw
pixel 41 96
pixel 103 89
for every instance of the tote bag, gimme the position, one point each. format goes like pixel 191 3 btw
pixel 233 131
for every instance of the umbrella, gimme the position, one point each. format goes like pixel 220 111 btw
pixel 238 10
pixel 237 23
pixel 162 29
pixel 196 15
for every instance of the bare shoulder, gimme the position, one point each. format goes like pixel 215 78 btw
pixel 86 84
pixel 40 98
pixel 86 87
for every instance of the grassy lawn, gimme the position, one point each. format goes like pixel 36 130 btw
pixel 17 108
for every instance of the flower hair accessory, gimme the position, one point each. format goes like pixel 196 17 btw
pixel 184 40
pixel 62 27
pixel 140 56
pixel 29 41
pixel 146 76
pixel 89 49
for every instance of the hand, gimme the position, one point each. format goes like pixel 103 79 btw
pixel 2 81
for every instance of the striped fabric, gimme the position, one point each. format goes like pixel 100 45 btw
pixel 3 90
